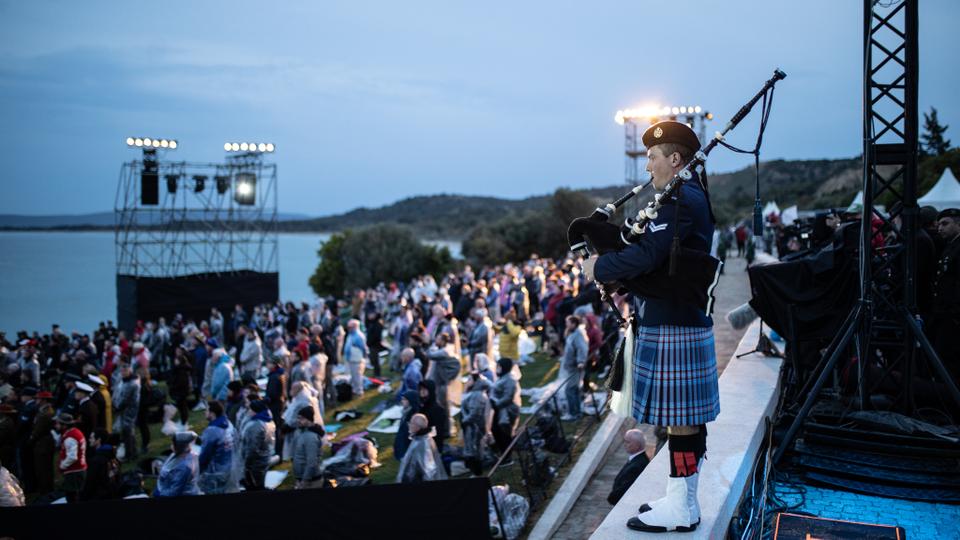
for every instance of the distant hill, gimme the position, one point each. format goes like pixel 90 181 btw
pixel 435 216
pixel 807 183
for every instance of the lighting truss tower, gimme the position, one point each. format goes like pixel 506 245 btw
pixel 885 319
pixel 205 235
pixel 198 226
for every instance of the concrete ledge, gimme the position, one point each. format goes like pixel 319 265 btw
pixel 748 394
pixel 577 480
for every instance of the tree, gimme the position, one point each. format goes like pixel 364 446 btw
pixel 329 275
pixel 516 237
pixel 365 257
pixel 933 141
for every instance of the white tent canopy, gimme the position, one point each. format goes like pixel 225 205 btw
pixel 856 204
pixel 771 208
pixel 944 194
pixel 789 215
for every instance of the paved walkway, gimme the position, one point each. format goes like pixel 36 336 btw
pixel 592 506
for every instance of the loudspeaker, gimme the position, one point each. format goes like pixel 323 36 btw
pixel 149 184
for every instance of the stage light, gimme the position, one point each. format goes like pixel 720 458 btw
pixel 151 143
pixel 675 110
pixel 223 184
pixel 697 109
pixel 245 191
pixel 645 112
pixel 249 147
pixel 172 182
pixel 683 110
pixel 199 181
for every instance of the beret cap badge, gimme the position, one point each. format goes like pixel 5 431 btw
pixel 658 132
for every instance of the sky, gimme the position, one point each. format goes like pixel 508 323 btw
pixel 371 102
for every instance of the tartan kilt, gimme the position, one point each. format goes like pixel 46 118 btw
pixel 675 376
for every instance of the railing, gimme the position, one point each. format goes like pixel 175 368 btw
pixel 527 462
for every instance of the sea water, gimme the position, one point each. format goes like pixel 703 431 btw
pixel 69 278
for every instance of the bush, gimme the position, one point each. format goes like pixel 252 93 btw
pixel 361 258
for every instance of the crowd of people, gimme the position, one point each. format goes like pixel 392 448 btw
pixel 75 408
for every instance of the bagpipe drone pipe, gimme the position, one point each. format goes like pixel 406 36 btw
pixel 691 275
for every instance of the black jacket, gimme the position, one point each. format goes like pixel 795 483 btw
pixel 89 415
pixel 652 251
pixel 436 416
pixel 103 475
pixel 630 471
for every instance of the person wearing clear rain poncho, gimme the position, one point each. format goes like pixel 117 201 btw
pixel 505 398
pixel 476 417
pixel 422 462
pixel 301 395
pixel 218 451
pixel 257 444
pixel 178 475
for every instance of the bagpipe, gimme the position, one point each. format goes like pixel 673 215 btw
pixel 691 275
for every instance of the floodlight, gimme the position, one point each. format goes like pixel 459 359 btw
pixel 245 190
pixel 235 147
pixel 683 110
pixel 270 147
pixel 675 110
pixel 226 147
pixel 151 143
pixel 709 116
pixel 243 147
pixel 261 147
pixel 697 109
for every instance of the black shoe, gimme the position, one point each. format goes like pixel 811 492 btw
pixel 637 525
pixel 645 508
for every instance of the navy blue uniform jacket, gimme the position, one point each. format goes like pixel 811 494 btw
pixel 652 250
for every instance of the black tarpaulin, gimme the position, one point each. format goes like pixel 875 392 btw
pixel 443 509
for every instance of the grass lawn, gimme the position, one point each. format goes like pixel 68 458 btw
pixel 541 371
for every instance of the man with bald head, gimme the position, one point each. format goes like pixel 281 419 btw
pixel 636 446
pixel 421 462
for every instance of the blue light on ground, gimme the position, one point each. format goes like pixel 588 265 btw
pixel 921 520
